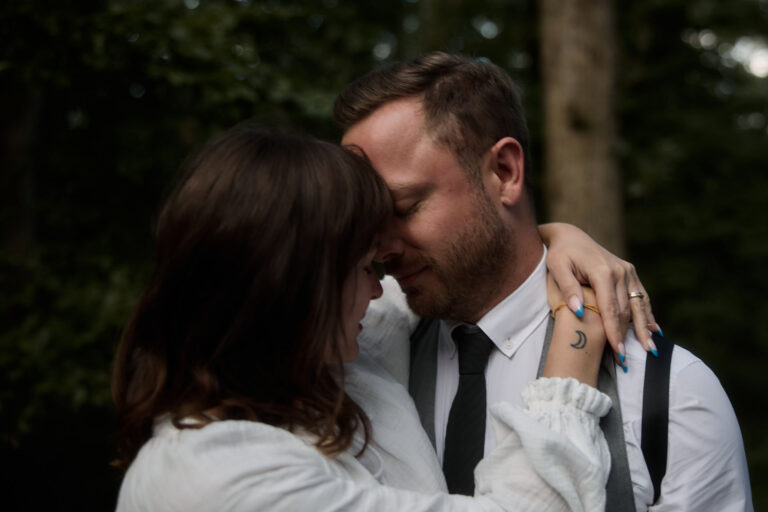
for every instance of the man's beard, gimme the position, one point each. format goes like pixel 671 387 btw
pixel 468 273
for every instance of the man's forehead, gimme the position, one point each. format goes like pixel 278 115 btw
pixel 397 120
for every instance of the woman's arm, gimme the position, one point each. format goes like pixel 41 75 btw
pixel 573 259
pixel 560 426
pixel 577 344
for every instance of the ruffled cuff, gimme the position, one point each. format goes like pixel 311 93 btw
pixel 543 394
pixel 558 436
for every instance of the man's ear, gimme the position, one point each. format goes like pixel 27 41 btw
pixel 508 163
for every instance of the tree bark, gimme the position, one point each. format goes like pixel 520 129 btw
pixel 581 179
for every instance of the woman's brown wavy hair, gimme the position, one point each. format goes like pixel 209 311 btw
pixel 253 248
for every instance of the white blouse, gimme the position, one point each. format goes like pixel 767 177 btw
pixel 551 456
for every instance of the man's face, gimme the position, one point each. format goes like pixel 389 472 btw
pixel 447 241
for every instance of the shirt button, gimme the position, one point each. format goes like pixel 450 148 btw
pixel 508 345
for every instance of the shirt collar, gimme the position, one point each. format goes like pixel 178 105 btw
pixel 512 321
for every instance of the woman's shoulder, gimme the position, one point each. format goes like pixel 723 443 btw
pixel 182 468
pixel 227 441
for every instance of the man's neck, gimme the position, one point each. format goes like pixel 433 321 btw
pixel 521 265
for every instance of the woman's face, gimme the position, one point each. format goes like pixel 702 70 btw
pixel 361 286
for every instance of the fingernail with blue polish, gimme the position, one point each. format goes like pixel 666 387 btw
pixel 652 348
pixel 622 353
pixel 624 367
pixel 659 328
pixel 575 304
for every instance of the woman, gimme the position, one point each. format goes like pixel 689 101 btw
pixel 229 382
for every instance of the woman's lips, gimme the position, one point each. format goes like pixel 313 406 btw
pixel 408 278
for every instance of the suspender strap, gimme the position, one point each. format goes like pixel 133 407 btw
pixel 545 348
pixel 620 495
pixel 420 332
pixel 423 376
pixel 656 412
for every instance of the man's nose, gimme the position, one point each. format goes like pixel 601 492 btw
pixel 390 244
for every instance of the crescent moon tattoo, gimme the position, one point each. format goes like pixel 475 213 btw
pixel 582 341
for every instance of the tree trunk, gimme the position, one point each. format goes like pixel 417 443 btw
pixel 582 183
pixel 17 175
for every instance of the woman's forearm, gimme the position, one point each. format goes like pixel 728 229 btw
pixel 577 343
pixel 576 348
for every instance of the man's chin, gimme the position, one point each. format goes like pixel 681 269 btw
pixel 422 301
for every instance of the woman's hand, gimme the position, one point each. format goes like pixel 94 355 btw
pixel 577 343
pixel 574 258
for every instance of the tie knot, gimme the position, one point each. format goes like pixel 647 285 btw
pixel 474 348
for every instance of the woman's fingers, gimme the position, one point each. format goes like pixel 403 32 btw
pixel 643 320
pixel 608 285
pixel 569 286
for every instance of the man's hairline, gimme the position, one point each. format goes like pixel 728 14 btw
pixel 472 174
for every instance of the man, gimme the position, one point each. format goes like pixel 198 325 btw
pixel 448 135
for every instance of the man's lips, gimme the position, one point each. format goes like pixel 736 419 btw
pixel 407 277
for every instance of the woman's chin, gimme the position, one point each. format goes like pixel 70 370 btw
pixel 350 354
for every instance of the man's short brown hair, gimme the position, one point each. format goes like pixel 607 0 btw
pixel 469 104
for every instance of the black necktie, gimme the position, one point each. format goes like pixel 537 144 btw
pixel 465 434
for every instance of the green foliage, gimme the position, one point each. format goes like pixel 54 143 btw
pixel 56 353
pixel 102 99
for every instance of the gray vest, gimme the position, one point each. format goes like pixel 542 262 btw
pixel 620 496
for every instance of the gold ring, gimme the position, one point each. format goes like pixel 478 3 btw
pixel 636 295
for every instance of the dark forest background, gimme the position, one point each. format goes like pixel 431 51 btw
pixel 100 100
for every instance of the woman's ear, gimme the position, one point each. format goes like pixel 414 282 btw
pixel 508 163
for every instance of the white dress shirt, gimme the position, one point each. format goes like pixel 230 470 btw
pixel 706 468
